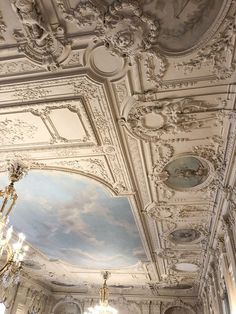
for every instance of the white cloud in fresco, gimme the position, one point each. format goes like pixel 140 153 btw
pixel 75 219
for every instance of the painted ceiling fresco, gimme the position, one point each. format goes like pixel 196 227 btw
pixel 74 219
pixel 186 172
pixel 182 22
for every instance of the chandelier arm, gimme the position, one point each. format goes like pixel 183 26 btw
pixel 14 198
pixel 12 254
pixel 8 262
pixel 4 203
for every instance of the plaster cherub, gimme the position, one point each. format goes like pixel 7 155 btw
pixel 31 19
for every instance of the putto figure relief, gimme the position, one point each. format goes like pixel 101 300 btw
pixel 39 42
pixel 31 18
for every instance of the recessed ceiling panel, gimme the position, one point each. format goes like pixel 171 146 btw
pixel 74 219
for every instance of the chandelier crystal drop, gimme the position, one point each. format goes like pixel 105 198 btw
pixel 103 307
pixel 11 254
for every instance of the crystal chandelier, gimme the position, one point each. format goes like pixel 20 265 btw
pixel 11 255
pixel 103 307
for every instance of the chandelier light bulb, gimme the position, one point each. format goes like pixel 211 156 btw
pixel 99 309
pixel 9 234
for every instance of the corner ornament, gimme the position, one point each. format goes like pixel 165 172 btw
pixel 37 41
pixel 124 29
pixel 128 30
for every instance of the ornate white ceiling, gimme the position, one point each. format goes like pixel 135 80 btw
pixel 139 96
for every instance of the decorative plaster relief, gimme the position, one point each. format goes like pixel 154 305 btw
pixel 47 127
pixel 218 53
pixel 90 166
pixel 38 42
pixel 121 89
pixel 18 67
pixel 124 27
pixel 215 156
pixel 154 66
pixel 15 130
pixel 74 59
pixel 3 28
pixel 128 29
pixel 175 212
pixel 176 254
pixel 125 30
pixel 31 93
pixel 152 120
pixel 85 14
pixel 37 301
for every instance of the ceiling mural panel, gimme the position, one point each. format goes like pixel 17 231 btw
pixel 185 172
pixel 183 23
pixel 73 219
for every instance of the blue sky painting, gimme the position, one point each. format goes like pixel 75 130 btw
pixel 74 219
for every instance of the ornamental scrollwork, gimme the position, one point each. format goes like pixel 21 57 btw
pixel 124 29
pixel 15 130
pixel 38 301
pixel 3 28
pixel 151 120
pixel 216 53
pixel 174 212
pixel 215 155
pixel 37 41
pixel 85 14
pixel 128 29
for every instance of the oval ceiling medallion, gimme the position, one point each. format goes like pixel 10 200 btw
pixel 185 173
pixel 186 24
pixel 186 267
pixel 183 236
